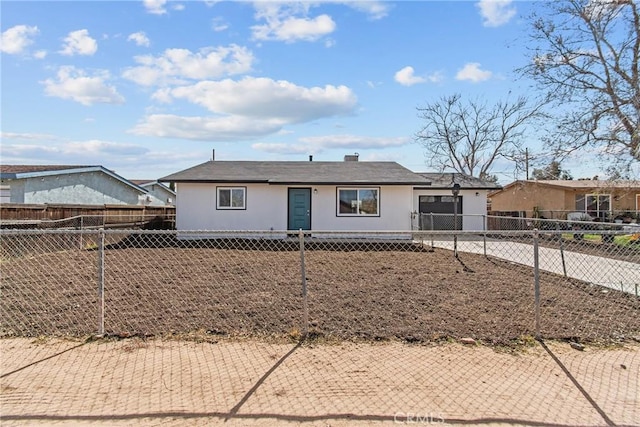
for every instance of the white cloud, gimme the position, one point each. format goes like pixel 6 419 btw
pixel 472 72
pixel 496 12
pixel 375 9
pixel 175 65
pixel 16 39
pixel 318 144
pixel 385 156
pixel 406 77
pixel 26 136
pixel 163 96
pixel 125 158
pixel 56 149
pixel 40 54
pixel 290 22
pixel 96 147
pixel 231 128
pixel 265 98
pixel 435 77
pixel 218 24
pixel 140 38
pixel 281 148
pixel 79 43
pixel 156 7
pixel 292 29
pixel 354 141
pixel 245 109
pixel 177 6
pixel 76 85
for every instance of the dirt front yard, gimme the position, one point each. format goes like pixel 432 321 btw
pixel 355 292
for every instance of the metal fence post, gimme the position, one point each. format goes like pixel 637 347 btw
pixel 431 228
pixel 536 279
pixel 101 281
pixel 81 227
pixel 303 275
pixel 564 265
pixel 484 241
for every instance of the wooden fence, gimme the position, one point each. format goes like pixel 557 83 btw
pixel 20 215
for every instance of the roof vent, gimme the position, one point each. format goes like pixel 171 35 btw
pixel 351 157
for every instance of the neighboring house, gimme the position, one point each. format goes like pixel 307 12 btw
pixel 70 184
pixel 556 198
pixel 308 195
pixel 158 190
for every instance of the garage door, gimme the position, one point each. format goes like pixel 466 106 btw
pixel 442 209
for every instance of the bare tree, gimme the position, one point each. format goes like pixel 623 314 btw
pixel 552 171
pixel 469 136
pixel 584 55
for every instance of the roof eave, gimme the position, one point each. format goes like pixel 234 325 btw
pixel 43 174
pixel 465 188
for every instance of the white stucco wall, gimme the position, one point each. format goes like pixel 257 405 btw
pixel 474 207
pixel 395 210
pixel 159 195
pixel 267 209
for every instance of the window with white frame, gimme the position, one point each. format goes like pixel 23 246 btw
pixel 358 202
pixel 231 198
pixel 596 205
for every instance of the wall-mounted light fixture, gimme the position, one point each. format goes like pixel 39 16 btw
pixel 315 191
pixel 477 193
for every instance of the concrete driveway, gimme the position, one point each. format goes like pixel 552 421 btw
pixel 612 273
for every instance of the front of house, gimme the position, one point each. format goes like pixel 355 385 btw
pixel 321 196
pixel 336 196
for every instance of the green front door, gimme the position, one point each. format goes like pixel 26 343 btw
pixel 299 209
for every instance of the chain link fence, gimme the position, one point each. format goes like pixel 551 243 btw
pixel 263 328
pixel 128 221
pixel 414 287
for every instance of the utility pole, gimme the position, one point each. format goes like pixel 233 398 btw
pixel 526 163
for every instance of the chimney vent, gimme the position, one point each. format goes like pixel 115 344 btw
pixel 351 157
pixel 213 154
pixel 310 158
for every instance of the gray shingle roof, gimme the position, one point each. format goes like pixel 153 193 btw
pixel 32 171
pixel 445 180
pixel 283 172
pixel 583 183
pixel 17 169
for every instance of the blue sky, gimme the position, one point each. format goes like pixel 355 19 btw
pixel 147 88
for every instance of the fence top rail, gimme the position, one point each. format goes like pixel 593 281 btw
pixel 269 234
pixel 551 221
